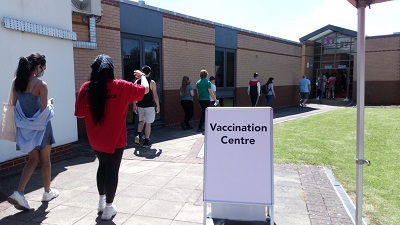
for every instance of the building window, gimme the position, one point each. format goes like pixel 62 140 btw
pixel 225 61
pixel 225 75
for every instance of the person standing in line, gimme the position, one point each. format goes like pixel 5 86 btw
pixel 321 86
pixel 34 133
pixel 304 89
pixel 331 86
pixel 254 90
pixel 186 92
pixel 213 89
pixel 103 103
pixel 145 109
pixel 271 92
pixel 203 95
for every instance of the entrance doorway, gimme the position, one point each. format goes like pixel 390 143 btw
pixel 343 86
pixel 138 51
pixel 334 54
pixel 225 75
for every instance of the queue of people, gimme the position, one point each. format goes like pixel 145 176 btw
pixel 102 102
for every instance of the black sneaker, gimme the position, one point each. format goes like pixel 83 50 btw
pixel 146 143
pixel 183 126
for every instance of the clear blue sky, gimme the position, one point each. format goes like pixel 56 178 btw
pixel 288 19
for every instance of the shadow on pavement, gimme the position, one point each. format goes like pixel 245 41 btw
pixel 290 111
pixel 38 215
pixel 148 153
pixel 235 222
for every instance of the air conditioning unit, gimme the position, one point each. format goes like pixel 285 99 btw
pixel 87 7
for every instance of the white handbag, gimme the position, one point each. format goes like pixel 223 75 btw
pixel 8 129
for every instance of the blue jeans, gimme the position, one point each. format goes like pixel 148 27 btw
pixel 269 98
pixel 321 94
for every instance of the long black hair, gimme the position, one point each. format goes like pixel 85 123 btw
pixel 26 66
pixel 97 90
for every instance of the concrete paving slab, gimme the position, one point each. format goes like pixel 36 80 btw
pixel 139 191
pixel 129 205
pixel 153 180
pixel 184 223
pixel 160 209
pixel 185 182
pixel 63 215
pixel 173 194
pixel 190 213
pixel 146 220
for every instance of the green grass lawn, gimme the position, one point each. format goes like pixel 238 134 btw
pixel 329 139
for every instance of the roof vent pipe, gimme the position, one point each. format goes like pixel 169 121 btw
pixel 92 35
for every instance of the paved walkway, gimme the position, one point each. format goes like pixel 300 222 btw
pixel 164 185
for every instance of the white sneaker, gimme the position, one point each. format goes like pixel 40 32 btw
pixel 102 203
pixel 109 212
pixel 48 196
pixel 137 140
pixel 18 201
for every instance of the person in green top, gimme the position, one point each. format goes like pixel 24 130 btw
pixel 204 93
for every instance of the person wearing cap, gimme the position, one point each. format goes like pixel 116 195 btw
pixel 103 103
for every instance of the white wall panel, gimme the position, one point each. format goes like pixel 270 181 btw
pixel 59 73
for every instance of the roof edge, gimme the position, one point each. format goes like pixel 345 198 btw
pixel 329 27
pixel 143 5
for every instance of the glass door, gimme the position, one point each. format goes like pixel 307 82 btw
pixel 131 62
pixel 152 59
pixel 225 71
pixel 138 51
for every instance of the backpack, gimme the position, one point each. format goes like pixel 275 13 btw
pixel 253 90
pixel 264 89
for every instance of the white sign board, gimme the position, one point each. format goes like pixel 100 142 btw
pixel 238 157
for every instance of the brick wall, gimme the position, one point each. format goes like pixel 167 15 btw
pixel 269 58
pixel 19 163
pixel 188 47
pixel 382 70
pixel 307 55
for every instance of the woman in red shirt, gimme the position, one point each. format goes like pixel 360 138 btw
pixel 103 102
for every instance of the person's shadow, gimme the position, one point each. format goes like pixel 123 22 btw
pixel 37 215
pixel 148 153
pixel 100 221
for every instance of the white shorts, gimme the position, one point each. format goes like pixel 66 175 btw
pixel 147 114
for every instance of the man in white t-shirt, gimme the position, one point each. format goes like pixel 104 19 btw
pixel 213 89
